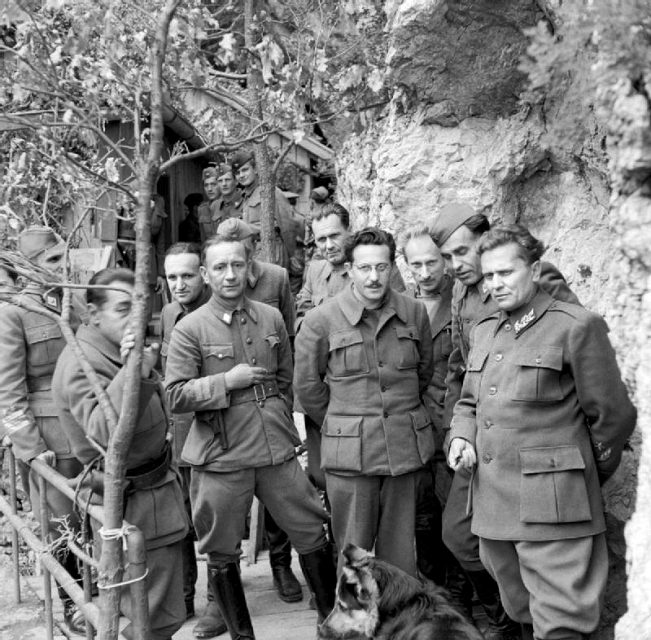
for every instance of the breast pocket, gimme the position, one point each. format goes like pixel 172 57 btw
pixel 538 378
pixel 552 486
pixel 408 354
pixel 217 358
pixel 45 343
pixel 347 354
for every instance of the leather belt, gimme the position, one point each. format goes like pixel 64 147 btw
pixel 256 393
pixel 147 475
pixel 43 383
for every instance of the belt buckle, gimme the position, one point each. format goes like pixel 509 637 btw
pixel 262 397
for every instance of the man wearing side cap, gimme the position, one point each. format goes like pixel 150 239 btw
pixel 208 213
pixel 457 230
pixel 287 227
pixel 31 344
pixel 229 204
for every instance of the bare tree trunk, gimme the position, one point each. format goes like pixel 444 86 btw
pixel 263 163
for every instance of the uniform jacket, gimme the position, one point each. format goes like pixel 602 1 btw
pixel 323 281
pixel 269 283
pixel 170 314
pixel 363 382
pixel 473 303
pixel 204 346
pixel 158 510
pixel 544 404
pixel 212 214
pixel 29 348
pixel 441 327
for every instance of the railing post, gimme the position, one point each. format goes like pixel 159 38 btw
pixel 137 568
pixel 47 582
pixel 13 501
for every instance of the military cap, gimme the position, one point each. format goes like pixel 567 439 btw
pixel 209 172
pixel 320 194
pixel 223 169
pixel 235 229
pixel 449 219
pixel 240 158
pixel 36 240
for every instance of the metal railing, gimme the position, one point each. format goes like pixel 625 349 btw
pixel 135 555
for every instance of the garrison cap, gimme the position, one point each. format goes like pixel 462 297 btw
pixel 235 229
pixel 449 219
pixel 223 169
pixel 240 158
pixel 36 240
pixel 320 194
pixel 209 172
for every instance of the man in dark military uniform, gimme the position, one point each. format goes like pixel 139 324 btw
pixel 207 212
pixel 230 202
pixel 30 346
pixel 153 499
pixel 542 420
pixel 189 292
pixel 230 362
pixel 433 287
pixel 363 361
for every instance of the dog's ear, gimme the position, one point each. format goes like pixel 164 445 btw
pixel 355 555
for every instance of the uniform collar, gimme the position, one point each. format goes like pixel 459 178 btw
pixel 528 316
pixel 92 336
pixel 482 290
pixel 226 315
pixel 353 309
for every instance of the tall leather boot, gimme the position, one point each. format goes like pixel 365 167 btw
pixel 229 594
pixel 321 575
pixel 458 585
pixel 280 558
pixel 189 573
pixel 211 623
pixel 500 626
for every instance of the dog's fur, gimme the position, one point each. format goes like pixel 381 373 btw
pixel 378 601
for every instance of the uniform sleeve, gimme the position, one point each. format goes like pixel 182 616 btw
pixel 186 389
pixel 464 411
pixel 17 417
pixel 311 347
pixel 426 362
pixel 553 282
pixel 287 305
pixel 435 394
pixel 304 297
pixel 285 366
pixel 456 369
pixel 602 395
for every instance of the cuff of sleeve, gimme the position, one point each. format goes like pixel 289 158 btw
pixel 221 398
pixel 463 428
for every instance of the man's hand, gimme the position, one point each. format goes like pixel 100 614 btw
pixel 461 454
pixel 49 457
pixel 242 376
pixel 149 354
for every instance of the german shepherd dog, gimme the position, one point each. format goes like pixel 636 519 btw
pixel 378 601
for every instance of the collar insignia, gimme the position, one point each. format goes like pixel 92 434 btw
pixel 524 321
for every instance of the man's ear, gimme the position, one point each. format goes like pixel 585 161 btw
pixel 536 268
pixel 348 266
pixel 93 310
pixel 204 274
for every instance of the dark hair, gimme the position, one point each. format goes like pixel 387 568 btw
pixel 478 223
pixel 192 200
pixel 215 240
pixel 334 208
pixel 371 236
pixel 530 248
pixel 179 248
pixel 106 277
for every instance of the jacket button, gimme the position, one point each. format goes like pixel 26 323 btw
pixel 243 320
pixel 253 360
pixel 386 414
pixel 383 388
pixel 380 363
pixel 492 391
pixel 488 424
pixel 220 356
pixel 486 458
pixel 538 360
pixel 339 431
pixel 498 357
pixel 507 327
pixel 552 463
pixel 249 341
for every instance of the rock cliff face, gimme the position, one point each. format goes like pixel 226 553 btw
pixel 456 131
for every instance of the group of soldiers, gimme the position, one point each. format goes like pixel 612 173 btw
pixel 460 427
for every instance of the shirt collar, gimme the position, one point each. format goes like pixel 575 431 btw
pixel 353 308
pixel 527 316
pixel 226 315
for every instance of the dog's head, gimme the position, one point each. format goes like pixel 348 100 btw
pixel 366 588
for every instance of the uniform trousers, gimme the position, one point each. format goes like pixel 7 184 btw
pixel 222 500
pixel 164 593
pixel 375 511
pixel 457 536
pixel 187 544
pixel 313 442
pixel 558 585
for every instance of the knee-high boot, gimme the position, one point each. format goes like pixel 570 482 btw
pixel 319 571
pixel 229 594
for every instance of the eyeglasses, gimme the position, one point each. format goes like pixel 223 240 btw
pixel 366 269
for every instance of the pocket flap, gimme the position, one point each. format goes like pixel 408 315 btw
pixel 546 357
pixel 345 338
pixel 342 426
pixel 42 333
pixel 420 418
pixel 551 459
pixel 409 332
pixel 476 360
pixel 219 351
